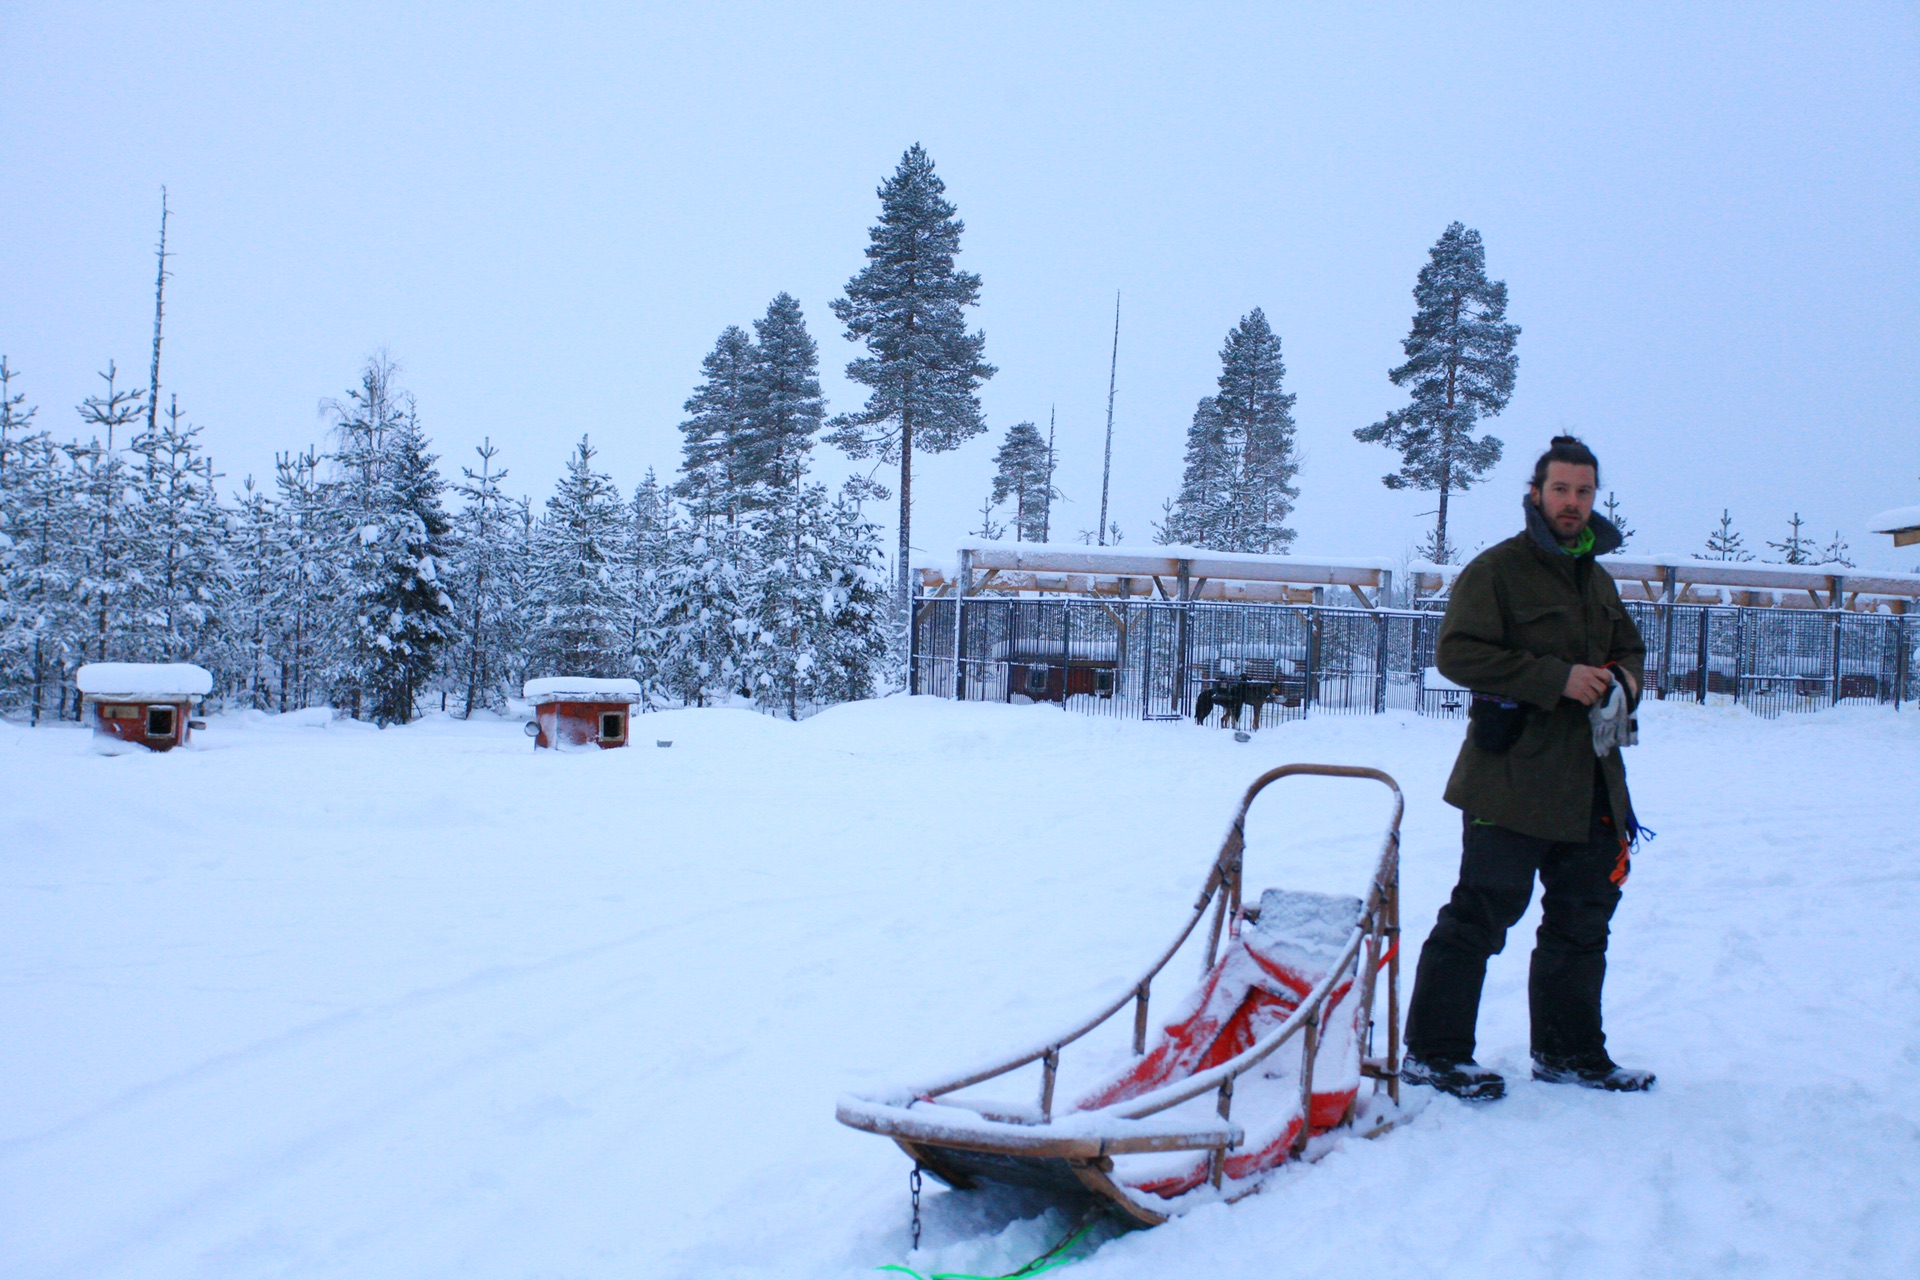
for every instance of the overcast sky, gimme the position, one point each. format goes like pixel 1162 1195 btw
pixel 1707 221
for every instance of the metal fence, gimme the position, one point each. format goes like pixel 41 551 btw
pixel 1255 664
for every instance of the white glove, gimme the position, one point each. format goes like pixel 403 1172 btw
pixel 1612 721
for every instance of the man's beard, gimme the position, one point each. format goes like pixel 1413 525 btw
pixel 1554 527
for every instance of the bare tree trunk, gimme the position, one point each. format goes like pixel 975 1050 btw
pixel 159 313
pixel 1106 466
pixel 904 567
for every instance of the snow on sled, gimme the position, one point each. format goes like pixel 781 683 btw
pixel 1294 967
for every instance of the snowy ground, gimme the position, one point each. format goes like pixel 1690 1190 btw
pixel 327 1001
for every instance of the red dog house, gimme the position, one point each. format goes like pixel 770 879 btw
pixel 143 702
pixel 580 711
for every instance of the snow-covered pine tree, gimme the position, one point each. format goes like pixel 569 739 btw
pixel 406 614
pixel 1023 470
pixel 1796 547
pixel 784 406
pixel 577 609
pixel 16 423
pixel 923 368
pixel 818 621
pixel 1460 367
pixel 311 636
pixel 1835 552
pixel 179 553
pixel 1725 544
pixel 1617 518
pixel 649 527
pixel 482 581
pixel 1237 489
pixel 1258 416
pixel 1198 516
pixel 705 612
pixel 43 626
pixel 363 424
pixel 715 431
pixel 249 610
pixel 108 538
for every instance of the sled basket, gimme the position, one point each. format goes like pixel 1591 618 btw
pixel 1292 967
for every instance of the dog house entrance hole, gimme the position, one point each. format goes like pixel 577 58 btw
pixel 613 726
pixel 159 722
pixel 1036 679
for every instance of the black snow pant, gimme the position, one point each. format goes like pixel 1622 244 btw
pixel 1580 886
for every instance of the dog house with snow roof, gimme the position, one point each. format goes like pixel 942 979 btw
pixel 147 703
pixel 581 711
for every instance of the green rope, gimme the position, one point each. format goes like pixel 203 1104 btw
pixel 1054 1257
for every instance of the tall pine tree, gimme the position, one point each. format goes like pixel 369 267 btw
pixel 1237 490
pixel 923 369
pixel 1460 368
pixel 712 470
pixel 784 406
pixel 180 549
pixel 483 584
pixel 1023 471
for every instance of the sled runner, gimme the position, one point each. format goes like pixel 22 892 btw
pixel 1293 967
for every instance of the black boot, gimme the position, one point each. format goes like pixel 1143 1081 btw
pixel 1591 1073
pixel 1464 1078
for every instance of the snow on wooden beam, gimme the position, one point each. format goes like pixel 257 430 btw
pixel 1690 581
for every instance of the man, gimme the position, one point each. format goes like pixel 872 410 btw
pixel 1536 629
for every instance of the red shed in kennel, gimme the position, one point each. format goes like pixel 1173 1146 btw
pixel 147 703
pixel 582 711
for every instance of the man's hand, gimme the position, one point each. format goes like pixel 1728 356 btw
pixel 1587 685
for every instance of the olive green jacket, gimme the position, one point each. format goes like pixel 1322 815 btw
pixel 1520 616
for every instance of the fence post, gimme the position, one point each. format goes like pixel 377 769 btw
pixel 1381 626
pixel 1311 693
pixel 913 644
pixel 964 585
pixel 1834 644
pixel 1185 639
pixel 1669 591
pixel 1899 659
pixel 1066 651
pixel 1706 657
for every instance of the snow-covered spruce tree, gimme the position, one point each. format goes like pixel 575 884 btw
pixel 1237 489
pixel 16 424
pixel 482 581
pixel 249 608
pixel 1023 471
pixel 1198 515
pixel 784 406
pixel 818 620
pixel 923 368
pixel 1835 552
pixel 311 635
pixel 42 627
pixel 1616 518
pixel 179 550
pixel 704 612
pixel 643 553
pixel 575 589
pixel 363 424
pixel 715 431
pixel 1796 547
pixel 406 615
pixel 1725 544
pixel 1460 368
pixel 107 538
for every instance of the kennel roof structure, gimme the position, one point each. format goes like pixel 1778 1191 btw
pixel 1156 572
pixel 1686 579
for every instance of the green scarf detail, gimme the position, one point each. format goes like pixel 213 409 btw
pixel 1582 545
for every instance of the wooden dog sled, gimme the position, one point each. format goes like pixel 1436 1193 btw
pixel 1293 967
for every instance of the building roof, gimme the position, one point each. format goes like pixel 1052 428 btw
pixel 135 680
pixel 1898 520
pixel 582 689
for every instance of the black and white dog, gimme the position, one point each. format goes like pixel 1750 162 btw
pixel 1230 692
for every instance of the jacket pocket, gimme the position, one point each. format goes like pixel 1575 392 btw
pixel 1541 628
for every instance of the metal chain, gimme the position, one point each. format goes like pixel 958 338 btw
pixel 913 1183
